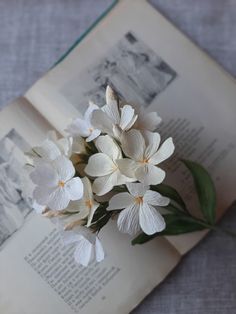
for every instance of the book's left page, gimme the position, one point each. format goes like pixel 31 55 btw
pixel 37 273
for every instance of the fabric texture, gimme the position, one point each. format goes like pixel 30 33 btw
pixel 34 34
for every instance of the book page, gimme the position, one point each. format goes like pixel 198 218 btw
pixel 153 64
pixel 38 274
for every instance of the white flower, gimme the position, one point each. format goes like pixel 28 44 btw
pixel 55 183
pixel 103 165
pixel 146 120
pixel 112 119
pixel 145 153
pixel 68 145
pixel 138 209
pixel 88 246
pixel 86 206
pixel 52 147
pixel 84 127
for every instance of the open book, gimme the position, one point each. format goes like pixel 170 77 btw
pixel 149 62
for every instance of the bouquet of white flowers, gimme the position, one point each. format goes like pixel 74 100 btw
pixel 108 167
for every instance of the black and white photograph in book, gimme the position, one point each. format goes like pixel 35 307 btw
pixel 133 69
pixel 14 205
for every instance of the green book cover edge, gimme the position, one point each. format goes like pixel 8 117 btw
pixel 88 30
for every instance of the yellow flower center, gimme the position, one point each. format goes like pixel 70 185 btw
pixel 89 204
pixel 145 161
pixel 139 200
pixel 61 184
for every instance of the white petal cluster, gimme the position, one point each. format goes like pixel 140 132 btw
pixel 145 154
pixel 146 120
pixel 76 179
pixel 51 172
pixel 87 245
pixel 55 183
pixel 139 212
pixel 104 167
pixel 113 119
pixel 87 207
pixel 52 147
pixel 84 127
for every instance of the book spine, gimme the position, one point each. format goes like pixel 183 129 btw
pixel 88 30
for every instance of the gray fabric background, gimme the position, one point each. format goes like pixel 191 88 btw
pixel 34 34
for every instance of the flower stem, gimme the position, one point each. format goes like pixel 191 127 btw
pixel 188 216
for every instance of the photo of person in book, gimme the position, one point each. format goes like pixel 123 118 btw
pixel 14 207
pixel 134 70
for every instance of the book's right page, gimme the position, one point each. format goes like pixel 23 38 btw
pixel 148 61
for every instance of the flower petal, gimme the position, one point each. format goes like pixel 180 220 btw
pixel 127 166
pixel 111 96
pixel 78 145
pixel 87 233
pixel 64 168
pixel 72 222
pixel 44 174
pixel 152 143
pixel 150 175
pixel 101 121
pixel 112 110
pixel 148 121
pixel 78 207
pixel 48 150
pixel 132 122
pixel 99 165
pixel 82 214
pixel 69 237
pixel 128 220
pixel 89 111
pixel 83 251
pixel 103 185
pixel 38 208
pixel 53 198
pixel 127 117
pixel 151 221
pixel 155 198
pixel 137 189
pixel 88 193
pixel 42 194
pixel 133 145
pixel 108 146
pixel 164 152
pixel 120 201
pixel 59 199
pixel 79 127
pixel 122 179
pixel 94 134
pixel 65 145
pixel 75 189
pixel 99 252
pixel 117 132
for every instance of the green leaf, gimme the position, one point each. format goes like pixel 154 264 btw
pixel 205 190
pixel 169 192
pixel 175 224
pixel 103 221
